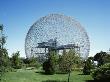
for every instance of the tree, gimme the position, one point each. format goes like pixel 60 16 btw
pixel 16 63
pixel 2 37
pixel 102 58
pixel 68 60
pixel 88 65
pixel 4 59
pixel 102 73
pixel 50 64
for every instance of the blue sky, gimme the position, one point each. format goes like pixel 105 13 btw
pixel 18 15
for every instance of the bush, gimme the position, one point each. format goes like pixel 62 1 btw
pixel 102 73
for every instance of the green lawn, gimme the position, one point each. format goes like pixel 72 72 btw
pixel 32 76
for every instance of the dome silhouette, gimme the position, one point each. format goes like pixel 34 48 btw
pixel 59 32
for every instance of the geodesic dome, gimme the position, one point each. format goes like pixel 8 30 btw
pixel 56 27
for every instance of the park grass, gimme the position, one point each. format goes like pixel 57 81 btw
pixel 35 76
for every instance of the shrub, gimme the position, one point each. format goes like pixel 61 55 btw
pixel 102 73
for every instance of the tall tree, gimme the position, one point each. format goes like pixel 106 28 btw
pixel 4 59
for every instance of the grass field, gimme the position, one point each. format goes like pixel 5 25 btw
pixel 35 76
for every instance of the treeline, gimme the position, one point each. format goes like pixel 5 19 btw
pixel 15 61
pixel 98 66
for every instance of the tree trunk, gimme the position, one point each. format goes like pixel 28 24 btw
pixel 69 76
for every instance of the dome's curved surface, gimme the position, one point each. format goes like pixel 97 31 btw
pixel 64 28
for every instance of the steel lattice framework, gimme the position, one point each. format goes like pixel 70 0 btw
pixel 56 27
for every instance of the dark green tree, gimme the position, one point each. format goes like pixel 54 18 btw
pixel 102 73
pixel 102 58
pixel 50 64
pixel 88 65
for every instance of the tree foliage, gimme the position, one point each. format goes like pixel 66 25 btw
pixel 88 65
pixel 15 60
pixel 68 60
pixel 32 62
pixel 2 38
pixel 102 72
pixel 50 64
pixel 102 58
pixel 4 59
